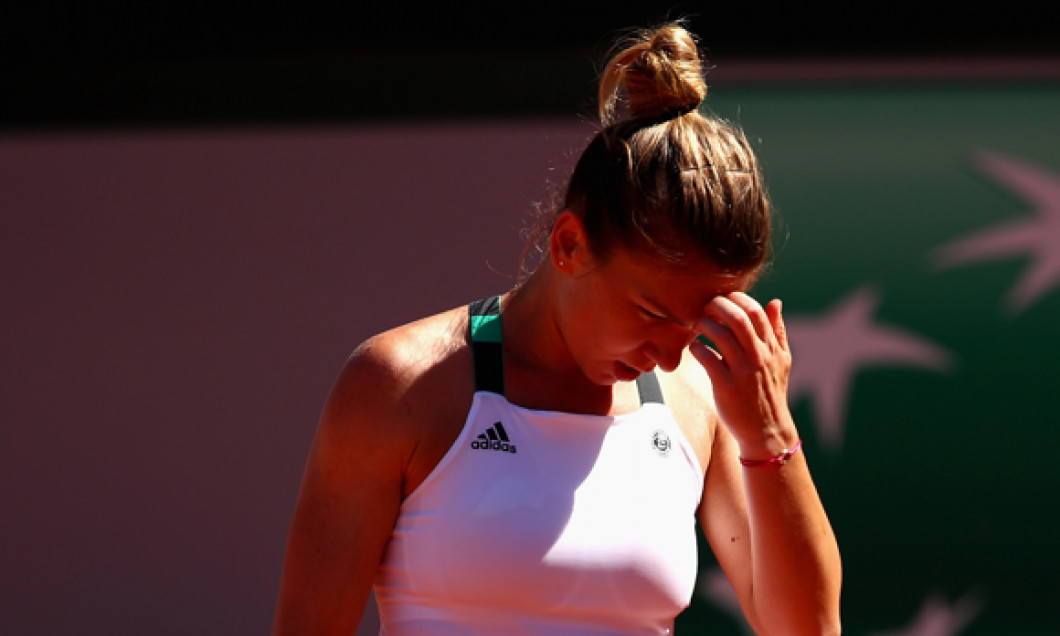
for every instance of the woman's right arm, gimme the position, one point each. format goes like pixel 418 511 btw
pixel 350 495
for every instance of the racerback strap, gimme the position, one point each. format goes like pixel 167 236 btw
pixel 486 346
pixel 488 353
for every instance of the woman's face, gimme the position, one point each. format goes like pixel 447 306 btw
pixel 633 313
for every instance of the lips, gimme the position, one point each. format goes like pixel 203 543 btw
pixel 626 373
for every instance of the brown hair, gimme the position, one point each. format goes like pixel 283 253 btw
pixel 665 179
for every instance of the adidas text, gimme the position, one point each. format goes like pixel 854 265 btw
pixel 495 445
pixel 495 438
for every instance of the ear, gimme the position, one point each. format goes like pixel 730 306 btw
pixel 568 244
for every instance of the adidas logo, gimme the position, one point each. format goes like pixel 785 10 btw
pixel 495 438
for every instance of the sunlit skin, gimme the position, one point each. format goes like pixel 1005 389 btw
pixel 588 326
pixel 575 332
pixel 632 314
pixel 594 322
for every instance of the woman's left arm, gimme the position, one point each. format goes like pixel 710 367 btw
pixel 765 522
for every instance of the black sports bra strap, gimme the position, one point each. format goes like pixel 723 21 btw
pixel 649 389
pixel 486 347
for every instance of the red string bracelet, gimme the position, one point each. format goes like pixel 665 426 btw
pixel 780 459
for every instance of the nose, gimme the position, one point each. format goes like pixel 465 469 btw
pixel 665 357
pixel 666 352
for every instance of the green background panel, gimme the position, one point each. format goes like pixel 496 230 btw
pixel 945 482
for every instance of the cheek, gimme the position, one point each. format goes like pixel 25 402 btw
pixel 603 324
pixel 619 336
pixel 600 337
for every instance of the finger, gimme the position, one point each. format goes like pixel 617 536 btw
pixel 775 312
pixel 762 325
pixel 723 342
pixel 723 311
pixel 706 342
pixel 711 360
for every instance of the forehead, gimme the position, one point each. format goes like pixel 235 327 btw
pixel 692 283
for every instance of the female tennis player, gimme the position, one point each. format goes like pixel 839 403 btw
pixel 535 463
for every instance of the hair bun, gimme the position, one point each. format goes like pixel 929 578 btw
pixel 660 71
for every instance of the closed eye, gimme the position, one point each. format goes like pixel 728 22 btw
pixel 651 314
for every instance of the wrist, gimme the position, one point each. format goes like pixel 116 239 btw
pixel 770 445
pixel 779 459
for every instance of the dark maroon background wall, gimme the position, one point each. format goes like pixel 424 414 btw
pixel 175 307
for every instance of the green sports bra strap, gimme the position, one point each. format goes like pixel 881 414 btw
pixel 486 347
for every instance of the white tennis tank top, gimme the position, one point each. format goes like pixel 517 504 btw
pixel 543 523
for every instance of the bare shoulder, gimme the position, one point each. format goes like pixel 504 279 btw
pixel 390 374
pixel 367 454
pixel 397 357
pixel 402 398
pixel 688 392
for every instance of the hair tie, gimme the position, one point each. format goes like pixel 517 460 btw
pixel 681 111
pixel 667 115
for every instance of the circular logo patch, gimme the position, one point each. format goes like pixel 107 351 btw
pixel 660 441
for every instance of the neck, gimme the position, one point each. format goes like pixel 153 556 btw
pixel 540 370
pixel 530 312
